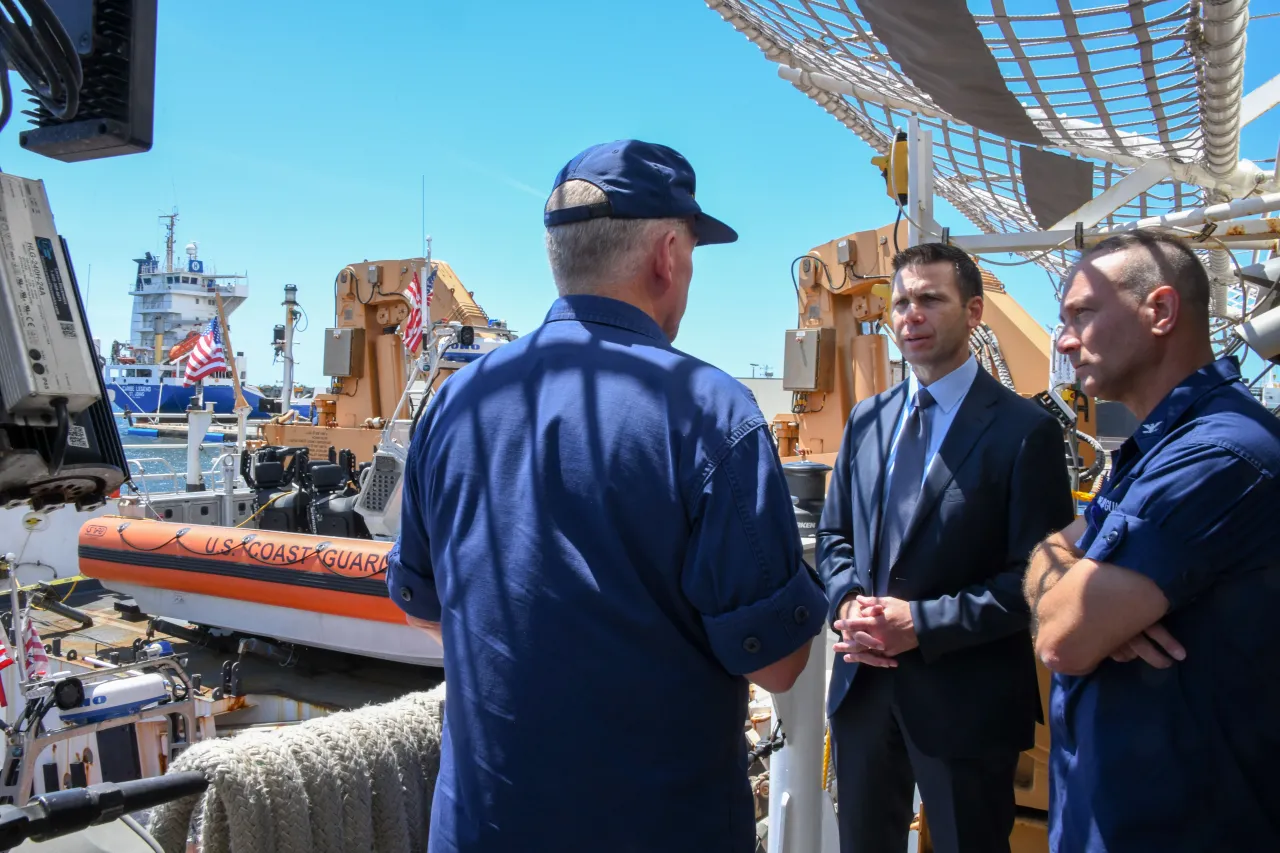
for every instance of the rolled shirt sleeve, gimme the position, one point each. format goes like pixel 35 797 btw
pixel 745 570
pixel 410 576
pixel 1191 516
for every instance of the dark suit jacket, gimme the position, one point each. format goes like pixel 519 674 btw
pixel 998 486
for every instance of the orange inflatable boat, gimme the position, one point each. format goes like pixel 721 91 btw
pixel 288 586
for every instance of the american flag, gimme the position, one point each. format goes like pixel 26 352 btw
pixel 208 356
pixel 413 324
pixel 33 650
pixel 37 659
pixel 6 661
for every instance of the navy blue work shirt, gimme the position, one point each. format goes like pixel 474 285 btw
pixel 601 525
pixel 1184 758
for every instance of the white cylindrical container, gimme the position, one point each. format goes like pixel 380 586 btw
pixel 119 698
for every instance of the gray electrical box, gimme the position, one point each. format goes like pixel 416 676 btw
pixel 809 359
pixel 46 353
pixel 344 353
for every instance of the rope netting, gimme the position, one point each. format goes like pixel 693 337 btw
pixel 1116 85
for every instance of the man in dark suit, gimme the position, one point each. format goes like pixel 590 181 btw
pixel 943 485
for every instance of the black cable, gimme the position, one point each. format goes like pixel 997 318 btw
pixel 120 532
pixel 41 51
pixel 897 219
pixel 422 407
pixel 825 269
pixel 6 94
pixel 59 451
pixel 848 273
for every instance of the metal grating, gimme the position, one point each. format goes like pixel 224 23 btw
pixel 1118 84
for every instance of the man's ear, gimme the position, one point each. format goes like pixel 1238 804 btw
pixel 1163 305
pixel 974 310
pixel 664 260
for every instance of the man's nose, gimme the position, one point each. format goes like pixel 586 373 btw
pixel 1068 342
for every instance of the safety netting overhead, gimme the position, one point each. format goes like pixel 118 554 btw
pixel 1035 106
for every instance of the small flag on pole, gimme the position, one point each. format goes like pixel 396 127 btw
pixel 6 661
pixel 33 650
pixel 208 356
pixel 413 323
pixel 419 300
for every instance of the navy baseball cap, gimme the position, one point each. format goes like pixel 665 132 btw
pixel 640 180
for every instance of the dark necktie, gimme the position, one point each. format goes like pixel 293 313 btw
pixel 904 487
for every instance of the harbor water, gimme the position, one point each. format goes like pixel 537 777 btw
pixel 154 456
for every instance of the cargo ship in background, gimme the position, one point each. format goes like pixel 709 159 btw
pixel 172 306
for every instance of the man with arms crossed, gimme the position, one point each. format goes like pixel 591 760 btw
pixel 1157 610
pixel 943 485
pixel 599 526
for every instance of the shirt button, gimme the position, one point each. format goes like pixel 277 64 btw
pixel 406 594
pixel 801 615
pixel 1112 537
pixel 751 645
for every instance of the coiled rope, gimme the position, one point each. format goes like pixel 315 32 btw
pixel 357 780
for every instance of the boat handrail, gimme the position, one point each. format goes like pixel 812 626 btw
pixel 175 415
pixel 146 476
pixel 203 445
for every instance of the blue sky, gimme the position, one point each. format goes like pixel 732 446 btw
pixel 293 138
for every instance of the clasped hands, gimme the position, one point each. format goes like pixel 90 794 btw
pixel 874 630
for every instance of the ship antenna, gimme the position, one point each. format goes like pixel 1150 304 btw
pixel 168 239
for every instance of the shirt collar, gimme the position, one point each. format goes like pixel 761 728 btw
pixel 1187 393
pixel 948 391
pixel 611 312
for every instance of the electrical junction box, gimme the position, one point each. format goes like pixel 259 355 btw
pixel 344 353
pixel 46 353
pixel 809 360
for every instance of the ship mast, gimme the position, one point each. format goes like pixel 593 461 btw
pixel 168 239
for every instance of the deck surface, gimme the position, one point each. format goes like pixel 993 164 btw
pixel 321 678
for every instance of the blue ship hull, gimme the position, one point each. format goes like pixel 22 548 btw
pixel 141 398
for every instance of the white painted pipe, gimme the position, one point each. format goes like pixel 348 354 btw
pixel 1223 44
pixel 290 303
pixel 796 795
pixel 198 423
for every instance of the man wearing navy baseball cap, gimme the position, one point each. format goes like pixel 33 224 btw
pixel 598 526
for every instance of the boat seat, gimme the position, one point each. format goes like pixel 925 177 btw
pixel 327 477
pixel 269 475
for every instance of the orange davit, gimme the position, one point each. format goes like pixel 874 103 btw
pixel 342 577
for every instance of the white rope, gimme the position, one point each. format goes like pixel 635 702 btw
pixel 358 780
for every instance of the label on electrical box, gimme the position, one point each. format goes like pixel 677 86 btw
pixel 61 306
pixel 78 437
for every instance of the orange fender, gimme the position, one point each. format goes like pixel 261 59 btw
pixel 343 577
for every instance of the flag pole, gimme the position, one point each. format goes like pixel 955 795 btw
pixel 15 611
pixel 242 406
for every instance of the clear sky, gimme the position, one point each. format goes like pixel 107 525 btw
pixel 293 137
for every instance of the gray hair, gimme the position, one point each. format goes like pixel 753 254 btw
pixel 589 256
